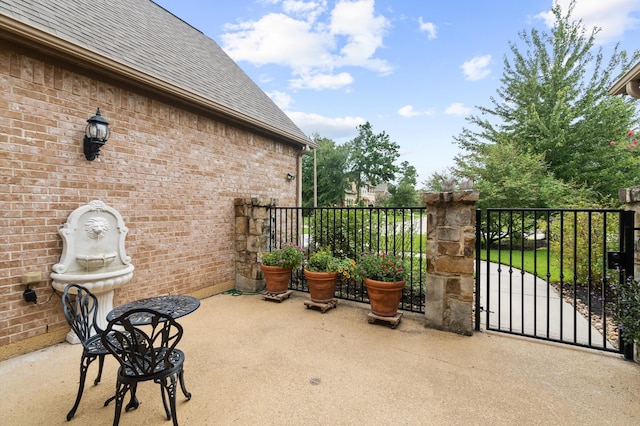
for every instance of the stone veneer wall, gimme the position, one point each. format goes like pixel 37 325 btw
pixel 171 171
pixel 451 224
pixel 252 229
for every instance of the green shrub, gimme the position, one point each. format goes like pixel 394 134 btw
pixel 289 256
pixel 323 260
pixel 585 236
pixel 381 267
pixel 625 308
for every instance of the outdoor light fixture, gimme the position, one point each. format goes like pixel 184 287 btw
pixel 290 176
pixel 95 135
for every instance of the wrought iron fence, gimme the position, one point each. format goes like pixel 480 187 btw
pixel 349 231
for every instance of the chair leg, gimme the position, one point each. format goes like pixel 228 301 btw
pixel 169 386
pixel 133 402
pixel 85 361
pixel 186 393
pixel 121 391
pixel 100 365
pixel 108 401
pixel 164 392
pixel 174 414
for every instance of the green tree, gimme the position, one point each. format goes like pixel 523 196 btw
pixel 331 160
pixel 509 177
pixel 553 103
pixel 434 182
pixel 403 192
pixel 371 158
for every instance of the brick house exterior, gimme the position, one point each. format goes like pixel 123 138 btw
pixel 190 133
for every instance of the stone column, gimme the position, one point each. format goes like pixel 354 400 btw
pixel 451 222
pixel 252 229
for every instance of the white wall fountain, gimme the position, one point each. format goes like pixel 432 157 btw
pixel 93 255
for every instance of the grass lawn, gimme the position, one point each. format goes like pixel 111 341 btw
pixel 534 261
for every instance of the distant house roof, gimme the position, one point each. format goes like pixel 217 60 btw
pixel 382 188
pixel 139 41
pixel 629 84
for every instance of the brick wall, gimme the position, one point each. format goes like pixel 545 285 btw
pixel 173 174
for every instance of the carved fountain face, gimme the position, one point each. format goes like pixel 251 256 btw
pixel 96 227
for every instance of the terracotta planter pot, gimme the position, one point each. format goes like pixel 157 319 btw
pixel 276 278
pixel 384 297
pixel 322 285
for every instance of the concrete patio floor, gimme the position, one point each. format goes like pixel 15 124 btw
pixel 256 362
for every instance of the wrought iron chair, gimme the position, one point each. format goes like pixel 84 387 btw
pixel 81 312
pixel 144 354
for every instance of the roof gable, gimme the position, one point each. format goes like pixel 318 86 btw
pixel 144 36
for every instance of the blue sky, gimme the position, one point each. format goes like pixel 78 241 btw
pixel 412 68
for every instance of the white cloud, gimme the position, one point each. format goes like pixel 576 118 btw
pixel 327 127
pixel 364 31
pixel 282 99
pixel 477 68
pixel 312 47
pixel 322 81
pixel 428 27
pixel 308 10
pixel 457 108
pixel 407 111
pixel 614 17
pixel 265 78
pixel 277 38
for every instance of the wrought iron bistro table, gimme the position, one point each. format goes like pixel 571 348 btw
pixel 176 305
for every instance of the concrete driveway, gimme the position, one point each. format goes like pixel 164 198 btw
pixel 256 362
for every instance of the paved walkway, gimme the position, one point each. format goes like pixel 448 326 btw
pixel 527 305
pixel 255 362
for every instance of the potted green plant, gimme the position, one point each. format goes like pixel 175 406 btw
pixel 322 269
pixel 277 265
pixel 384 277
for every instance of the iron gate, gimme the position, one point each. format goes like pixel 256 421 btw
pixel 547 273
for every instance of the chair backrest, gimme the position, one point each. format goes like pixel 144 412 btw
pixel 80 308
pixel 145 350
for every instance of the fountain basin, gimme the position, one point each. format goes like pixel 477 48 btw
pixel 95 282
pixel 91 262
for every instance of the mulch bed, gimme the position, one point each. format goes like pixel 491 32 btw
pixel 580 300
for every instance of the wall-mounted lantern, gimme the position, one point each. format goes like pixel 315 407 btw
pixel 290 176
pixel 96 135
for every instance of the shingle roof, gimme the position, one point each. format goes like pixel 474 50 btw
pixel 144 36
